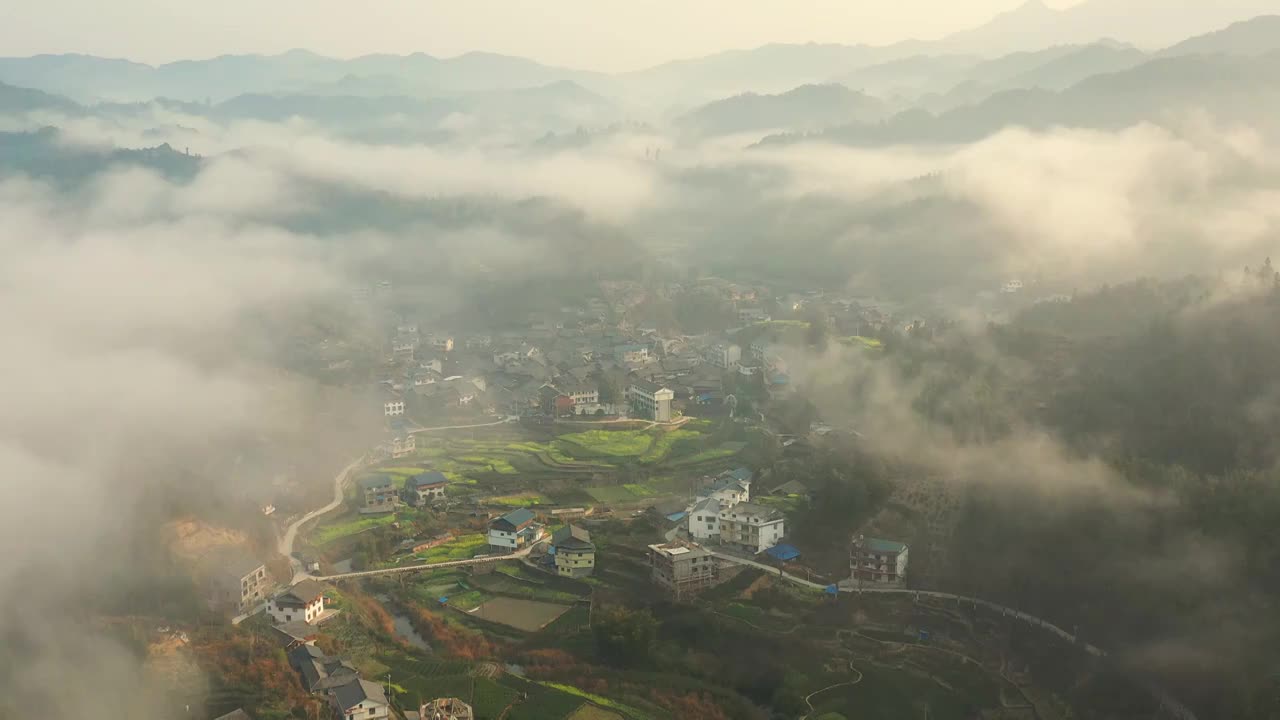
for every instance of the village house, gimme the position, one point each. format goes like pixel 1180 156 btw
pixel 425 488
pixel 377 492
pixel 361 699
pixel 445 709
pixel 575 554
pixel 304 601
pixel 650 400
pixel 233 580
pixel 751 314
pixel 750 527
pixel 730 487
pixel 393 405
pixel 683 568
pixel 879 561
pixel 403 444
pixel 704 519
pixel 632 354
pixel 723 356
pixel 318 671
pixel 514 531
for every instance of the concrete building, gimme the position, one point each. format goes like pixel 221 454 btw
pixel 514 531
pixel 574 552
pixel 424 489
pixel 403 444
pixel 724 356
pixel 650 400
pixel 632 354
pixel 683 568
pixel 233 580
pixel 304 601
pixel 704 519
pixel 393 406
pixel 377 492
pixel 750 527
pixel 878 561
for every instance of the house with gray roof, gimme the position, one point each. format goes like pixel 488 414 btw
pixel 360 698
pixel 377 492
pixel 575 554
pixel 425 488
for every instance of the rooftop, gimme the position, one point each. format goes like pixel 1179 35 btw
pixel 357 691
pixel 572 536
pixel 882 546
pixel 427 479
pixel 305 591
pixel 518 517
pixel 374 481
pixel 680 549
pixel 753 511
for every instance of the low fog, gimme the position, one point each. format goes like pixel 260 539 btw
pixel 171 267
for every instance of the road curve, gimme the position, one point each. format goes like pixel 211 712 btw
pixel 285 545
pixel 1167 701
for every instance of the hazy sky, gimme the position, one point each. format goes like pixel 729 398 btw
pixel 591 34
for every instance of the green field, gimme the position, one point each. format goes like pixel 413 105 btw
pixel 348 525
pixel 604 443
pixel 663 444
pixel 462 547
pixel 720 452
pixel 522 499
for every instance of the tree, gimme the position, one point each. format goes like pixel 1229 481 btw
pixel 624 637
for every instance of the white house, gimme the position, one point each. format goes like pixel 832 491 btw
pixel 304 601
pixel 360 699
pixel 704 519
pixel 725 357
pixel 730 487
pixel 651 400
pixel 751 527
pixel 875 560
pixel 393 407
pixel 514 530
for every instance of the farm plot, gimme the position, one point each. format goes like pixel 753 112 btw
pixel 346 526
pixel 526 615
pixel 604 443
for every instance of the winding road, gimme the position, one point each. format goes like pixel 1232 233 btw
pixel 285 544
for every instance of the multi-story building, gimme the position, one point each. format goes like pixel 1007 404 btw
pixel 724 356
pixel 582 393
pixel 393 405
pixel 377 492
pixel 632 354
pixel 403 444
pixel 879 561
pixel 574 552
pixel 425 488
pixel 683 568
pixel 752 314
pixel 650 400
pixel 729 487
pixel 750 527
pixel 233 580
pixel 514 530
pixel 304 601
pixel 704 519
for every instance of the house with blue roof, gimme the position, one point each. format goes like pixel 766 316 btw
pixel 514 531
pixel 878 561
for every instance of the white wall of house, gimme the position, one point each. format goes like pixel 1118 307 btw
pixel 393 408
pixel 308 614
pixel 502 539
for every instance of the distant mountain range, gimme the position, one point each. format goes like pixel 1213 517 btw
pixel 1245 89
pixel 805 107
pixel 770 69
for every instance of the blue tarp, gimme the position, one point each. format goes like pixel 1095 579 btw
pixel 677 516
pixel 783 552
